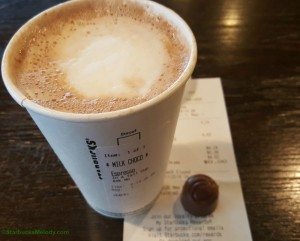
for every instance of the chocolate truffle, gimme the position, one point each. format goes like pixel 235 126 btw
pixel 199 195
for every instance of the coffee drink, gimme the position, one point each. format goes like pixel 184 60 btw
pixel 103 81
pixel 91 56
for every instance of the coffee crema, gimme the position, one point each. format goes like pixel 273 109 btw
pixel 94 56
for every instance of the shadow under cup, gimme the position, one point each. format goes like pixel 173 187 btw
pixel 117 159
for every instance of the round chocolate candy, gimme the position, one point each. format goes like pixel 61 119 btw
pixel 199 195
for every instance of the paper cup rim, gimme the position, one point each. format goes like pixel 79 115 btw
pixel 30 105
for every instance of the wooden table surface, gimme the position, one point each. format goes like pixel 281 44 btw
pixel 254 47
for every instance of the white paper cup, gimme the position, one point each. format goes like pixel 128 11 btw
pixel 117 159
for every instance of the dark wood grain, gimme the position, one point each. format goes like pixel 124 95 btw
pixel 254 46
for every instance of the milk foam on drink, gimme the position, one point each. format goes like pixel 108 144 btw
pixel 98 56
pixel 120 59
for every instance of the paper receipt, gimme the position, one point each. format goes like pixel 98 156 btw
pixel 203 145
